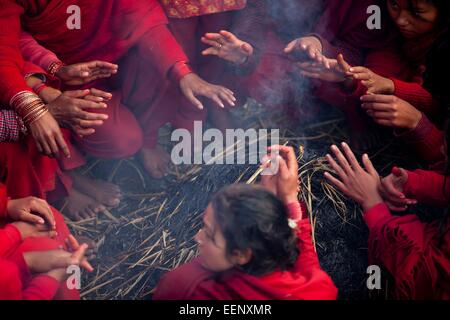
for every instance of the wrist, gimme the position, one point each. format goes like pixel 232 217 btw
pixel 415 120
pixel 371 202
pixel 288 199
pixel 49 94
pixel 390 87
pixel 179 71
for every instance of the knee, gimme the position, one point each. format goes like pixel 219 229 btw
pixel 120 138
pixel 127 143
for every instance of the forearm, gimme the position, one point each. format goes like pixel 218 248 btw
pixel 416 95
pixel 298 220
pixel 426 140
pixel 160 46
pixel 428 187
pixel 35 53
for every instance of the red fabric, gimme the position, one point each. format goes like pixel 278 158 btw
pixel 427 141
pixel 25 171
pixel 40 288
pixel 428 187
pixel 110 29
pixel 193 8
pixel 412 252
pixel 305 281
pixel 12 248
pixel 35 53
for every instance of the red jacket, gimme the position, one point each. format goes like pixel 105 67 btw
pixel 416 254
pixel 305 281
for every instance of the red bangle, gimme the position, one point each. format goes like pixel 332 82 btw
pixel 39 88
pixel 179 70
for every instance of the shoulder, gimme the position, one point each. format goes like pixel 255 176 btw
pixel 181 282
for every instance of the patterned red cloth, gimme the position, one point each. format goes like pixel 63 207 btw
pixel 9 126
pixel 194 8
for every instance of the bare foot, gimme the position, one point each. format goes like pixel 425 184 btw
pixel 156 161
pixel 80 206
pixel 104 192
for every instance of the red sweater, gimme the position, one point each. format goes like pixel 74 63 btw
pixel 109 29
pixel 305 281
pixel 14 271
pixel 413 252
pixel 39 288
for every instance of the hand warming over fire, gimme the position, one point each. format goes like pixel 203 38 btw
pixel 304 49
pixel 192 86
pixel 330 70
pixel 227 46
pixel 374 83
pixel 85 72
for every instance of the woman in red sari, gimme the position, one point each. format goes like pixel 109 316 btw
pixel 415 253
pixel 255 244
pixel 131 33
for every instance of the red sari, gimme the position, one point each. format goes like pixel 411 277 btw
pixel 416 254
pixel 306 280
pixel 15 280
pixel 127 32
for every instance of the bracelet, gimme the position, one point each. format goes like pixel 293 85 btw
pixel 39 88
pixel 29 106
pixel 54 67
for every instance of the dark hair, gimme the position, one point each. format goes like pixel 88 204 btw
pixel 443 8
pixel 251 217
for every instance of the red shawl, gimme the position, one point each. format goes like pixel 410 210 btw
pixel 416 254
pixel 108 30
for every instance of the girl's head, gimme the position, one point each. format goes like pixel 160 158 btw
pixel 246 227
pixel 415 18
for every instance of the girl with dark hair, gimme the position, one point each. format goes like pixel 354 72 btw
pixel 255 244
pixel 416 254
pixel 391 80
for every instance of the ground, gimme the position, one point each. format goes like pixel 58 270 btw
pixel 152 230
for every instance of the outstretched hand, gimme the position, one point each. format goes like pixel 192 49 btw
pixel 85 72
pixel 193 86
pixel 360 184
pixel 330 70
pixel 392 187
pixel 227 46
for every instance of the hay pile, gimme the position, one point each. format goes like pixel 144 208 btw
pixel 152 230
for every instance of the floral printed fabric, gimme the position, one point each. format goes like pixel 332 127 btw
pixel 194 8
